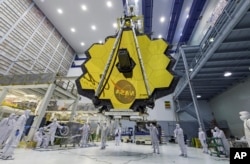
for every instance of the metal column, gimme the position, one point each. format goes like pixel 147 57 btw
pixel 3 93
pixel 74 108
pixel 196 106
pixel 41 110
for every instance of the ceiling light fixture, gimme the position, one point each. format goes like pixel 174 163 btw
pixel 159 36
pixel 115 25
pixel 187 16
pixel 84 7
pixel 191 69
pixel 73 30
pixel 100 41
pixel 162 19
pixel 198 96
pixel 226 74
pixel 82 43
pixel 93 27
pixel 109 4
pixel 211 40
pixel 60 11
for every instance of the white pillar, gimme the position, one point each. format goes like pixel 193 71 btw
pixel 41 111
pixel 73 109
pixel 3 94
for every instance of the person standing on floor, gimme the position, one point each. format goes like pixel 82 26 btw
pixel 38 138
pixel 97 133
pixel 203 140
pixel 85 135
pixel 52 131
pixel 15 136
pixel 118 133
pixel 178 133
pixel 6 126
pixel 104 134
pixel 245 117
pixel 154 137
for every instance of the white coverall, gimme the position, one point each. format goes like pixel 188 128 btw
pixel 6 126
pixel 150 131
pixel 85 134
pixel 154 137
pixel 178 132
pixel 97 132
pixel 52 131
pixel 38 138
pixel 15 136
pixel 203 140
pixel 104 133
pixel 226 146
pixel 245 117
pixel 118 133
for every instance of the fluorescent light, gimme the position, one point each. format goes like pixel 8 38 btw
pixel 60 11
pixel 32 96
pixel 115 25
pixel 11 96
pixel 109 4
pixel 226 74
pixel 82 43
pixel 211 39
pixel 84 7
pixel 73 30
pixel 93 27
pixel 198 96
pixel 191 69
pixel 162 19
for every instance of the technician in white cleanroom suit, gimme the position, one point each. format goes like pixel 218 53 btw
pixel 38 137
pixel 245 117
pixel 150 130
pixel 6 126
pixel 118 132
pixel 97 133
pixel 52 130
pixel 104 134
pixel 15 136
pixel 221 135
pixel 178 133
pixel 85 135
pixel 203 140
pixel 154 137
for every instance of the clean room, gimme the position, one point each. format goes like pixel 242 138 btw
pixel 124 81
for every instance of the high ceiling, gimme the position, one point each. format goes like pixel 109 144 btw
pixel 98 14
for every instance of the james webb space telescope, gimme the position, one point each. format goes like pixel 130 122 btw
pixel 126 74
